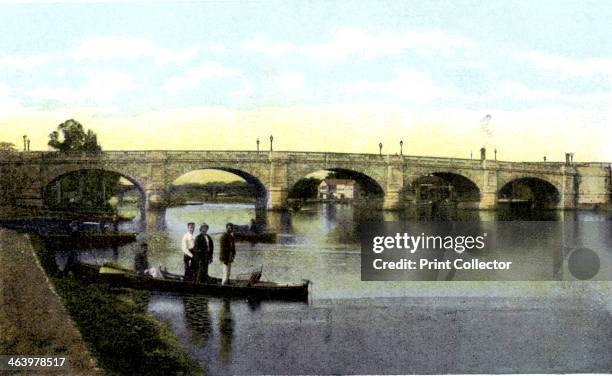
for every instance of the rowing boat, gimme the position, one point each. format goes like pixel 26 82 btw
pixel 261 290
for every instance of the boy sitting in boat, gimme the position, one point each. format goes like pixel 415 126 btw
pixel 141 265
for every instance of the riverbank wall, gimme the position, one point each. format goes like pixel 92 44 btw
pixel 33 320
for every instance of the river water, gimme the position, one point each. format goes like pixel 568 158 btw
pixel 355 327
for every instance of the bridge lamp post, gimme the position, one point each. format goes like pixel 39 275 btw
pixel 271 141
pixel 401 147
pixel 380 148
pixel 495 152
pixel 257 145
pixel 25 138
pixel 28 144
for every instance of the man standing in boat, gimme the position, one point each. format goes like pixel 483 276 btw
pixel 203 249
pixel 228 252
pixel 187 245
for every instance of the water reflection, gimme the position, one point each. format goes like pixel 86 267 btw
pixel 198 319
pixel 331 337
pixel 393 323
pixel 226 330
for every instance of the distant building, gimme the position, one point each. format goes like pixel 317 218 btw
pixel 337 189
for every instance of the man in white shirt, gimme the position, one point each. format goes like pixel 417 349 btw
pixel 187 247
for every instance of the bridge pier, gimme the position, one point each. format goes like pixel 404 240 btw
pixel 488 201
pixel 154 208
pixel 155 219
pixel 154 199
pixel 278 182
pixel 393 200
pixel 32 195
pixel 569 191
pixel 30 202
pixel 488 193
pixel 395 183
pixel 277 198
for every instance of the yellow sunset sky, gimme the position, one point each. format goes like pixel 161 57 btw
pixel 319 76
pixel 518 136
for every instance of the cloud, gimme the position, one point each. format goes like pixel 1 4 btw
pixel 290 81
pixel 243 91
pixel 192 77
pixel 100 86
pixel 355 42
pixel 520 91
pixel 112 48
pixel 568 67
pixel 215 47
pixel 407 85
pixel 8 104
pixel 24 62
pixel 275 49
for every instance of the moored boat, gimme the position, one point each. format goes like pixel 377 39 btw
pixel 255 237
pixel 261 290
pixel 254 234
pixel 89 239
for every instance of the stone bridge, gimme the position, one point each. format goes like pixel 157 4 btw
pixel 573 185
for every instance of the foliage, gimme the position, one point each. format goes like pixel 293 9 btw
pixel 82 190
pixel 88 190
pixel 7 146
pixel 234 191
pixel 213 184
pixel 341 175
pixel 305 188
pixel 71 136
pixel 118 331
pixel 112 321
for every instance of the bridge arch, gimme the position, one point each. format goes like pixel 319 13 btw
pixel 445 185
pixel 130 174
pixel 369 186
pixel 53 179
pixel 374 175
pixel 536 192
pixel 260 190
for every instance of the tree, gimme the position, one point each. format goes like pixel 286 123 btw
pixel 71 136
pixel 7 146
pixel 305 188
pixel 81 190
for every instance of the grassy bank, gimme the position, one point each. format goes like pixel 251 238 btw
pixel 120 334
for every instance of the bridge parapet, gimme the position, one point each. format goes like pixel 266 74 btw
pixel 449 163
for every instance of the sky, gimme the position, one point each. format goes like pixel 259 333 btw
pixel 529 79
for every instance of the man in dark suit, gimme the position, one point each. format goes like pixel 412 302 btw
pixel 228 252
pixel 203 253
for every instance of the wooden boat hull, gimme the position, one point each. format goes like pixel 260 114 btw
pixel 238 289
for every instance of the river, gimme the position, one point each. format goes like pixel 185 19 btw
pixel 351 326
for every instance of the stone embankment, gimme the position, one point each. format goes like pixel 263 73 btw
pixel 33 320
